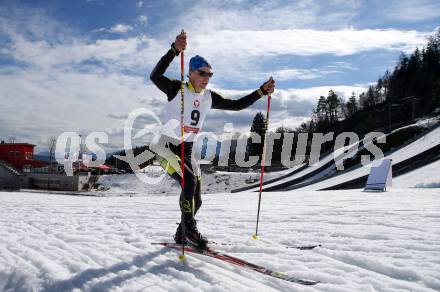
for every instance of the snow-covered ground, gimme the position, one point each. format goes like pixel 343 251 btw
pixel 370 241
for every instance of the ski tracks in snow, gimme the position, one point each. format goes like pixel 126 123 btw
pixel 371 242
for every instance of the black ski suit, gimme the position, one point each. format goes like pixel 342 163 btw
pixel 190 199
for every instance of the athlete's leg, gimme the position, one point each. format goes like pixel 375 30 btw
pixel 198 195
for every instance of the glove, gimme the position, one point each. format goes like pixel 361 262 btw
pixel 267 87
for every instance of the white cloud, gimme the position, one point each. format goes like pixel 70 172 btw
pixel 58 90
pixel 90 101
pixel 300 74
pixel 242 54
pixel 143 19
pixel 312 94
pixel 312 14
pixel 338 66
pixel 411 10
pixel 268 15
pixel 305 42
pixel 288 122
pixel 120 28
pixel 69 100
pixel 57 101
pixel 119 54
pixel 289 107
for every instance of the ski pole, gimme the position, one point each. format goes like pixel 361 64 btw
pixel 182 141
pixel 262 164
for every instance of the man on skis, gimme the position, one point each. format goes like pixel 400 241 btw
pixel 197 102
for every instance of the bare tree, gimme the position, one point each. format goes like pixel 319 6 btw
pixel 12 140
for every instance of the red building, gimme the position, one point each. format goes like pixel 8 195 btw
pixel 20 155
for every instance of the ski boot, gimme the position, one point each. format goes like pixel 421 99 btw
pixel 193 236
pixel 178 237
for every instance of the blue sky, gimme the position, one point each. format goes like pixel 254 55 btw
pixel 83 65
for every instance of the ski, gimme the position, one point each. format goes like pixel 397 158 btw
pixel 300 247
pixel 237 262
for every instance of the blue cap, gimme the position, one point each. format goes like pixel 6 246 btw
pixel 197 62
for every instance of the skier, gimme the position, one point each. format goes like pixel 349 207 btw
pixel 197 102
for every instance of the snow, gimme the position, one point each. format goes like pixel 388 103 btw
pixel 101 241
pixel 371 241
pixel 322 161
pixel 423 177
pixel 422 144
pixel 336 155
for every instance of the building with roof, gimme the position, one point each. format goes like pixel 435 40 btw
pixel 20 156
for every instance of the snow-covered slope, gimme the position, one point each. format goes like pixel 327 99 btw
pixel 371 242
pixel 305 175
pixel 422 144
pixel 323 161
pixel 427 176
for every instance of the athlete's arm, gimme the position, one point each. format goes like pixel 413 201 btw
pixel 219 102
pixel 166 85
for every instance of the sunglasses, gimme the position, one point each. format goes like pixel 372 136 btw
pixel 205 74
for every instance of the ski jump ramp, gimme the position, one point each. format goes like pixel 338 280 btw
pixel 318 176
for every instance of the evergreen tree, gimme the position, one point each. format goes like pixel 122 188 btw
pixel 321 111
pixel 383 85
pixel 332 106
pixel 351 106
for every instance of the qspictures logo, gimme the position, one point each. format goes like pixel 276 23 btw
pixel 346 145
